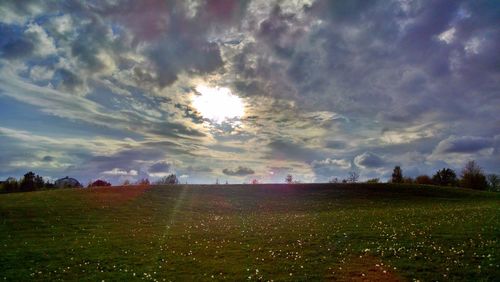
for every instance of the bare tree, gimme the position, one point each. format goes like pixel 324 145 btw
pixel 473 177
pixel 289 179
pixel 353 177
pixel 493 182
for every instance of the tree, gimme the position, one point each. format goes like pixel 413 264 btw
pixel 255 181
pixel 473 177
pixel 397 175
pixel 423 180
pixel 11 185
pixel 168 180
pixel 126 182
pixel 143 182
pixel 445 177
pixel 334 180
pixel 38 182
pixel 373 181
pixel 289 179
pixel 27 182
pixel 352 177
pixel 493 182
pixel 100 183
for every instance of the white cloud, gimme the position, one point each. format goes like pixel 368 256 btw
pixel 447 36
pixel 44 45
pixel 341 163
pixel 120 172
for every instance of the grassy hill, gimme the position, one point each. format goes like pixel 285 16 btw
pixel 240 232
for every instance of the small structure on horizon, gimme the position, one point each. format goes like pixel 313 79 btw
pixel 67 182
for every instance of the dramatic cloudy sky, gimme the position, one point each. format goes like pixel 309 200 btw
pixel 238 90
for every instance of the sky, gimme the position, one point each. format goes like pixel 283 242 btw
pixel 242 90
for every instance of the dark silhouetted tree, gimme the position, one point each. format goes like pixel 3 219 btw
pixel 473 177
pixel 168 180
pixel 445 177
pixel 397 175
pixel 255 181
pixel 143 182
pixel 27 182
pixel 352 177
pixel 334 180
pixel 423 180
pixel 289 179
pixel 11 185
pixel 100 183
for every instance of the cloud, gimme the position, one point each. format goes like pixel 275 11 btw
pixel 47 158
pixel 318 78
pixel 340 163
pixel 463 144
pixel 240 171
pixel 160 167
pixel 120 172
pixel 369 160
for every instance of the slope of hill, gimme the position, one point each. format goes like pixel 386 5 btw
pixel 239 232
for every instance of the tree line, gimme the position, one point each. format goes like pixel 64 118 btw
pixel 34 182
pixel 472 176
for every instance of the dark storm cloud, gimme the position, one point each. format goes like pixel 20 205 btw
pixel 465 144
pixel 161 166
pixel 240 171
pixel 68 80
pixel 47 159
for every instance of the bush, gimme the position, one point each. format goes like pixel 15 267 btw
pixel 373 181
pixel 408 180
pixel 423 180
pixel 473 177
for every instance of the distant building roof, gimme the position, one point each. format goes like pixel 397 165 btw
pixel 67 182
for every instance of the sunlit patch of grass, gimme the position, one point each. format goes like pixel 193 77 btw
pixel 285 232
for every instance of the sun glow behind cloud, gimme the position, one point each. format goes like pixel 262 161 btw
pixel 218 104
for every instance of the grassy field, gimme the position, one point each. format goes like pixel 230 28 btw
pixel 253 232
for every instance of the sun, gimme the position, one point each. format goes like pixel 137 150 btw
pixel 218 104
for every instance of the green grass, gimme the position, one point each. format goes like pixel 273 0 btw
pixel 238 232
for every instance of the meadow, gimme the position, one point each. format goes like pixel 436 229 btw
pixel 302 232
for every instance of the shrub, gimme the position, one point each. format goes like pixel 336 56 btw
pixel 373 180
pixel 423 180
